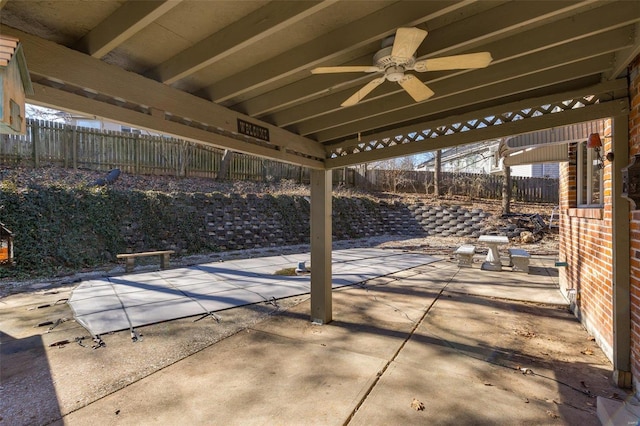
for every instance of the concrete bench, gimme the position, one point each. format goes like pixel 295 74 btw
pixel 464 254
pixel 519 259
pixel 131 257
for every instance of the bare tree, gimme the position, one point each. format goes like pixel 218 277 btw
pixel 48 114
pixel 437 173
pixel 395 172
pixel 506 191
pixel 225 164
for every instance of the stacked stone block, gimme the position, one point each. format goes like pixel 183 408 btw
pixel 237 222
pixel 451 221
pixel 224 222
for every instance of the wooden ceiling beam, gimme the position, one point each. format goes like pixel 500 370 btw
pixel 504 21
pixel 570 117
pixel 396 98
pixel 624 57
pixel 514 87
pixel 371 28
pixel 56 98
pixel 588 113
pixel 126 21
pixel 252 28
pixel 57 62
pixel 588 23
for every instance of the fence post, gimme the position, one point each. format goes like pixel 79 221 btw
pixel 74 147
pixel 187 160
pixel 65 146
pixel 136 154
pixel 35 136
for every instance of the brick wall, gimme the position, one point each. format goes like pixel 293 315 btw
pixel 586 246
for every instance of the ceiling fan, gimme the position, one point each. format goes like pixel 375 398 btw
pixel 397 55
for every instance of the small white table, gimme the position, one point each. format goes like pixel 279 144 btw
pixel 492 262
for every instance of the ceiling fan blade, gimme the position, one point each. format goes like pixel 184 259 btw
pixel 364 91
pixel 407 41
pixel 355 68
pixel 457 62
pixel 415 88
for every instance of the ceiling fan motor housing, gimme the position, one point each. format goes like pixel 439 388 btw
pixel 397 56
pixel 394 73
pixel 384 60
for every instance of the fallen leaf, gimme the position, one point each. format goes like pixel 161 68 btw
pixel 525 333
pixel 417 405
pixel 552 414
pixel 587 352
pixel 526 400
pixel 487 384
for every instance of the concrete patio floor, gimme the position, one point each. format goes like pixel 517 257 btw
pixel 470 346
pixel 119 303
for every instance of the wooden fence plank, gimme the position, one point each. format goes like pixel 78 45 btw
pixel 72 146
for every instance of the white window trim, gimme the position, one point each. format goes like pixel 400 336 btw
pixel 580 184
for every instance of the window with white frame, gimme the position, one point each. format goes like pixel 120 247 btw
pixel 590 186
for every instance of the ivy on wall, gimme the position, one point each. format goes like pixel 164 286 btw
pixel 59 230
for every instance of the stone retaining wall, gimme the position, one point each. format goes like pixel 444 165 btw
pixel 240 222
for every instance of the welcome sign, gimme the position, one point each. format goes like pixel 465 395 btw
pixel 253 130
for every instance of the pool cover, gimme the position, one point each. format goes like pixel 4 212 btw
pixel 133 300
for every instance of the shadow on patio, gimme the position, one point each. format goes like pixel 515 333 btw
pixel 473 346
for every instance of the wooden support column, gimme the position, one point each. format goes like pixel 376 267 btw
pixel 321 303
pixel 621 252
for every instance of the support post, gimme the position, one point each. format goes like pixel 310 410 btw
pixel 164 261
pixel 621 252
pixel 321 302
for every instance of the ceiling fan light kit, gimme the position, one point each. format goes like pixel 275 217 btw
pixel 397 56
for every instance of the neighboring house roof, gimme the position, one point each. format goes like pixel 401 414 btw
pixel 462 151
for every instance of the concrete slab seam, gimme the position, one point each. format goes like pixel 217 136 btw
pixel 397 352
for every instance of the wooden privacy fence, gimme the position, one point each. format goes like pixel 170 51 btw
pixel 58 144
pixel 543 190
pixel 49 143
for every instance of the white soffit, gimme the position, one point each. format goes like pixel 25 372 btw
pixel 546 146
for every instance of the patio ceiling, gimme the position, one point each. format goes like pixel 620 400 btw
pixel 237 74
